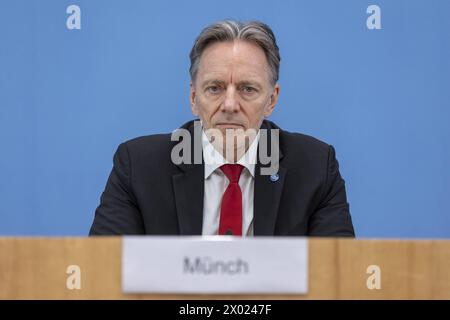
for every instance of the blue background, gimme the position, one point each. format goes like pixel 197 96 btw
pixel 69 97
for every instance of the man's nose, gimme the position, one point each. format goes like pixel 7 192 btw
pixel 230 103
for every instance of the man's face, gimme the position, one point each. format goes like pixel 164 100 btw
pixel 232 89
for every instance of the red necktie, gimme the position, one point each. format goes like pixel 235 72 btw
pixel 231 208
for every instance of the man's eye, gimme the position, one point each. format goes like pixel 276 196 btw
pixel 248 89
pixel 213 89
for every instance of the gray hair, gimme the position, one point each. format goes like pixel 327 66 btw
pixel 229 30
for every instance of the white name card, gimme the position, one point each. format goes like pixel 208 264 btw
pixel 214 265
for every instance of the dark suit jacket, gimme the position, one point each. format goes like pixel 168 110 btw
pixel 147 194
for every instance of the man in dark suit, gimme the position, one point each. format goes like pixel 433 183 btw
pixel 234 74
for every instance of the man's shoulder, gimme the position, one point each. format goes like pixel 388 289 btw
pixel 295 143
pixel 148 150
pixel 156 141
pixel 153 148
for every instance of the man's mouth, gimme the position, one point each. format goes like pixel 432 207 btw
pixel 229 125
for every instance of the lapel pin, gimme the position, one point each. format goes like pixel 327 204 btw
pixel 274 177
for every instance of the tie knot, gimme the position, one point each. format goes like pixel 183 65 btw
pixel 232 171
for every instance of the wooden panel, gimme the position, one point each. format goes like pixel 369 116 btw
pixel 35 268
pixel 409 269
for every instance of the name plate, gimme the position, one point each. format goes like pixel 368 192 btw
pixel 214 264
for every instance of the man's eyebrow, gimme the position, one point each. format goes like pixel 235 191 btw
pixel 213 82
pixel 249 83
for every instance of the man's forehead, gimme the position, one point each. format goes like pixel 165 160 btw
pixel 225 60
pixel 240 51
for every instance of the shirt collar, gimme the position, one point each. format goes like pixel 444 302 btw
pixel 213 159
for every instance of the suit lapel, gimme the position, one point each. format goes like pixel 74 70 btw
pixel 188 188
pixel 266 202
pixel 268 190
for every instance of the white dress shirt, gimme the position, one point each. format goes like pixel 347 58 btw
pixel 216 182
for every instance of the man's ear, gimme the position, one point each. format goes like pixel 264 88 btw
pixel 192 97
pixel 273 101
